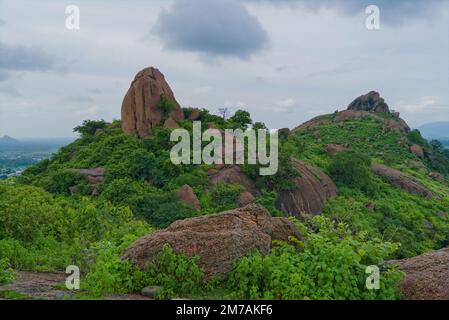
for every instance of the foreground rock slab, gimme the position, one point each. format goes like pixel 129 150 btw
pixel 427 276
pixel 218 239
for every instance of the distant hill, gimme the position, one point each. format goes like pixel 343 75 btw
pixel 8 141
pixel 435 130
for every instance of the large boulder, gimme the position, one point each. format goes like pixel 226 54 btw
pixel 426 276
pixel 234 175
pixel 314 189
pixel 218 239
pixel 139 108
pixel 401 180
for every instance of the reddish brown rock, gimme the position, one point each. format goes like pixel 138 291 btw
pixel 369 102
pixel 333 149
pixel 401 180
pixel 234 175
pixel 187 196
pixel 314 189
pixel 218 239
pixel 194 115
pixel 426 276
pixel 92 176
pixel 170 124
pixel 139 109
pixel 246 198
pixel 436 176
pixel 417 150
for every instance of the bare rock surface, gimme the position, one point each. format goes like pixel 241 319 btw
pixel 187 196
pixel 139 109
pixel 218 239
pixel 314 189
pixel 401 180
pixel 234 175
pixel 426 276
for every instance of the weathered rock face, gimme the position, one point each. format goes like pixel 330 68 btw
pixel 187 196
pixel 139 108
pixel 401 180
pixel 234 175
pixel 218 239
pixel 417 150
pixel 246 198
pixel 369 102
pixel 427 276
pixel 314 189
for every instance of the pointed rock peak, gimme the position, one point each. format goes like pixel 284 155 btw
pixel 371 101
pixel 149 103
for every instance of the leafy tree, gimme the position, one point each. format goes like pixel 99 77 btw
pixel 242 119
pixel 415 137
pixel 90 127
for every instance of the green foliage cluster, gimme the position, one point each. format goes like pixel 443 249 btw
pixel 6 272
pixel 176 274
pixel 352 169
pixel 329 264
pixel 40 231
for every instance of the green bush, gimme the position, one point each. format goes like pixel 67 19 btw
pixel 6 272
pixel 225 196
pixel 178 274
pixel 329 264
pixel 352 169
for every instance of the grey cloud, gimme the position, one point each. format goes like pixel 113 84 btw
pixel 392 11
pixel 211 28
pixel 79 99
pixel 10 91
pixel 21 58
pixel 2 22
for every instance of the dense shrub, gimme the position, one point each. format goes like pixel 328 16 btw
pixel 177 274
pixel 6 272
pixel 352 169
pixel 329 264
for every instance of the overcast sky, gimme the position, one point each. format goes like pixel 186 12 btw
pixel 285 61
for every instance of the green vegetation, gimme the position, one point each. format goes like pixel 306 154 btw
pixel 6 272
pixel 44 227
pixel 329 264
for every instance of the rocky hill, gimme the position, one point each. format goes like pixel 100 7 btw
pixel 359 188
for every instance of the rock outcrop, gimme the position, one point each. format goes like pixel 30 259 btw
pixel 218 239
pixel 314 189
pixel 426 276
pixel 234 175
pixel 368 106
pixel 246 198
pixel 92 176
pixel 139 109
pixel 371 102
pixel 417 151
pixel 333 149
pixel 401 180
pixel 187 196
